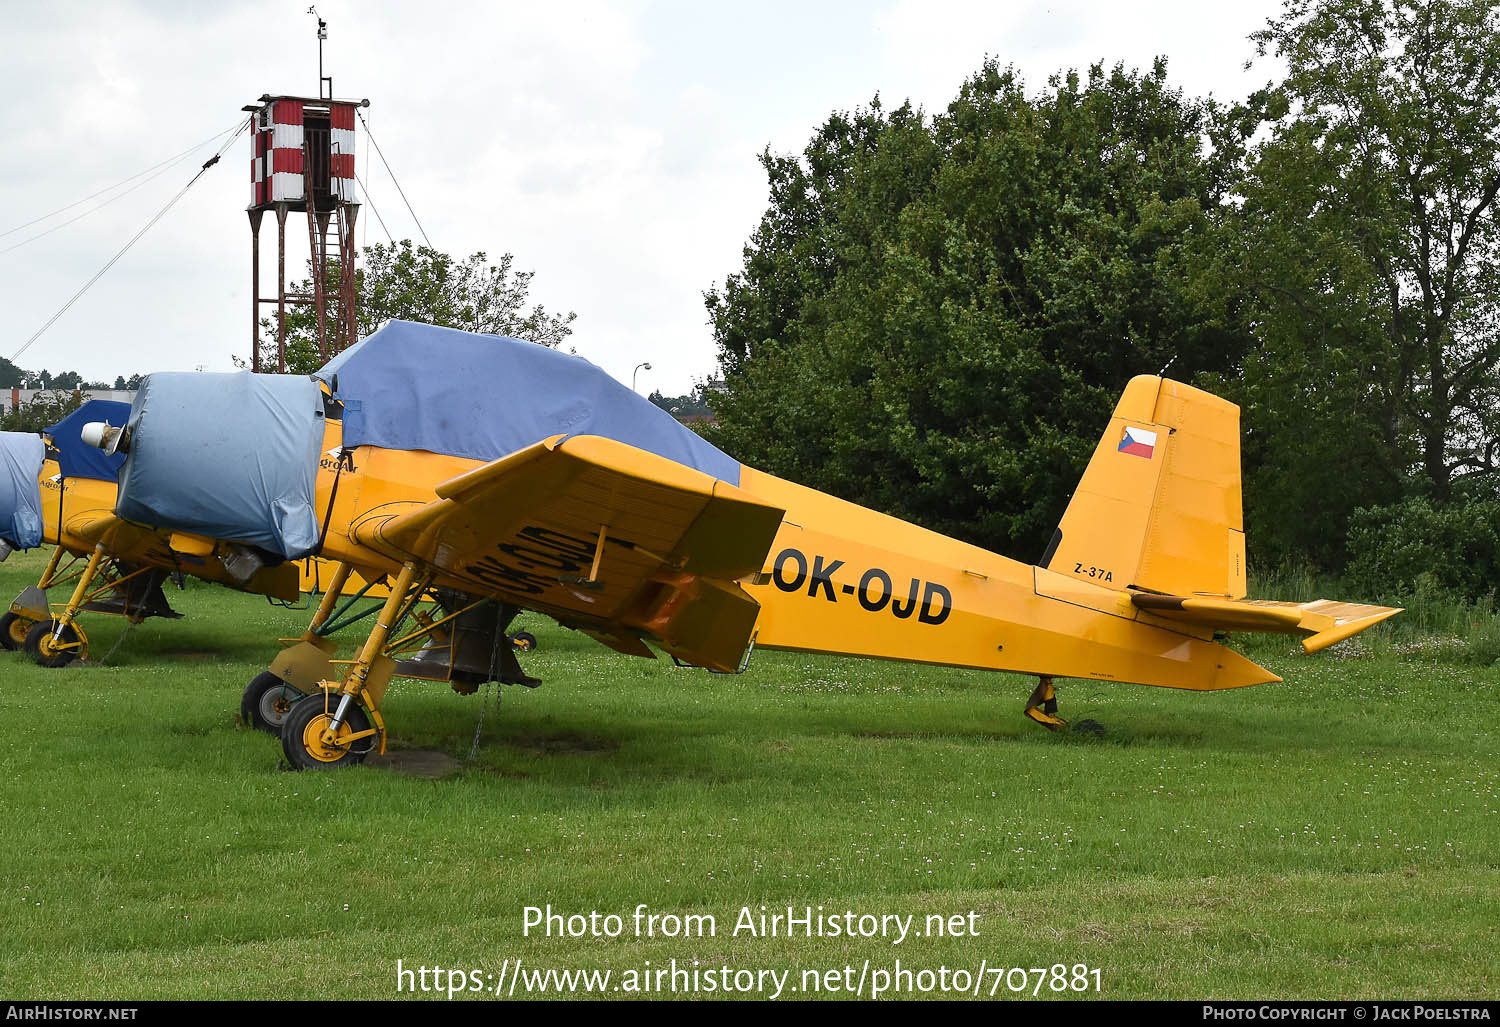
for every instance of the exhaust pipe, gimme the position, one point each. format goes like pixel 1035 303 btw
pixel 101 436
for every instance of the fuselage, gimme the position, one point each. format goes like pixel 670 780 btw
pixel 78 512
pixel 839 579
pixel 846 579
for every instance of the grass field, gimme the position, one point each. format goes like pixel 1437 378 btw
pixel 1337 835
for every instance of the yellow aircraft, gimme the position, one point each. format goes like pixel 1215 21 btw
pixel 114 567
pixel 623 525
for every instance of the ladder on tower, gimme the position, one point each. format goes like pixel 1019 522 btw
pixel 330 239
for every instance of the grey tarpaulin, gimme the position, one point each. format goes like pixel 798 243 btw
pixel 21 459
pixel 230 456
pixel 418 386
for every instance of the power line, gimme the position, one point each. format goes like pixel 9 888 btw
pixel 79 217
pixel 365 240
pixel 163 165
pixel 133 240
pixel 371 136
pixel 365 189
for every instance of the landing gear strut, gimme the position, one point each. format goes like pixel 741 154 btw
pixel 53 635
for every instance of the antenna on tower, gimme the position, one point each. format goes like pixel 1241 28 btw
pixel 322 35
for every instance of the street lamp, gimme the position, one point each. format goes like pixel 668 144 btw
pixel 638 367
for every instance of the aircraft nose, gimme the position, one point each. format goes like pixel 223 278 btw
pixel 226 456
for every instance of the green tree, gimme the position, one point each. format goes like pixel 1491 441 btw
pixel 693 404
pixel 936 315
pixel 11 376
pixel 415 283
pixel 1369 240
pixel 1457 547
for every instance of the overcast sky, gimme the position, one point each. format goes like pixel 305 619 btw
pixel 611 146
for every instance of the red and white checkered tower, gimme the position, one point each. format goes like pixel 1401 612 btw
pixel 302 161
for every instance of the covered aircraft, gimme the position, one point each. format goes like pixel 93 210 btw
pixel 495 475
pixel 106 565
pixel 21 457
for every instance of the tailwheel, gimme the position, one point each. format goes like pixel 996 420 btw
pixel 68 645
pixel 303 729
pixel 13 630
pixel 1042 706
pixel 267 701
pixel 523 641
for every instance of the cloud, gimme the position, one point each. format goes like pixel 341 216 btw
pixel 610 146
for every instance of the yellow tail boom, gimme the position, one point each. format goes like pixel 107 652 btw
pixel 1146 570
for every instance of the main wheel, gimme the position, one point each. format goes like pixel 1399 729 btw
pixel 48 653
pixel 523 641
pixel 13 630
pixel 302 735
pixel 267 701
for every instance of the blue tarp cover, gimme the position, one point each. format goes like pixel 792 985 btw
pixel 230 456
pixel 77 460
pixel 417 386
pixel 21 457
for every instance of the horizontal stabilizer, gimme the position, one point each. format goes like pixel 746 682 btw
pixel 1323 621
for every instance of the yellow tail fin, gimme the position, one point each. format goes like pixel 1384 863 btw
pixel 1159 506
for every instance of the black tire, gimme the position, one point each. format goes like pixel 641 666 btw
pixel 13 631
pixel 39 644
pixel 523 641
pixel 307 719
pixel 266 702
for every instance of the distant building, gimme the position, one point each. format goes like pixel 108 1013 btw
pixel 10 399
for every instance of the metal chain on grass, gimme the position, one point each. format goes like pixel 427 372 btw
pixel 129 627
pixel 492 683
pixel 479 727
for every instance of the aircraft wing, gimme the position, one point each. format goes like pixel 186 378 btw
pixel 1323 621
pixel 101 525
pixel 606 537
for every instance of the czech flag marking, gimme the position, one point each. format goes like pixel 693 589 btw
pixel 1138 442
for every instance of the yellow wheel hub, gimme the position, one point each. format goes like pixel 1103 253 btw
pixel 18 629
pixel 312 739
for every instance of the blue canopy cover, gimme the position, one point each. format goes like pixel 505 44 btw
pixel 418 386
pixel 77 460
